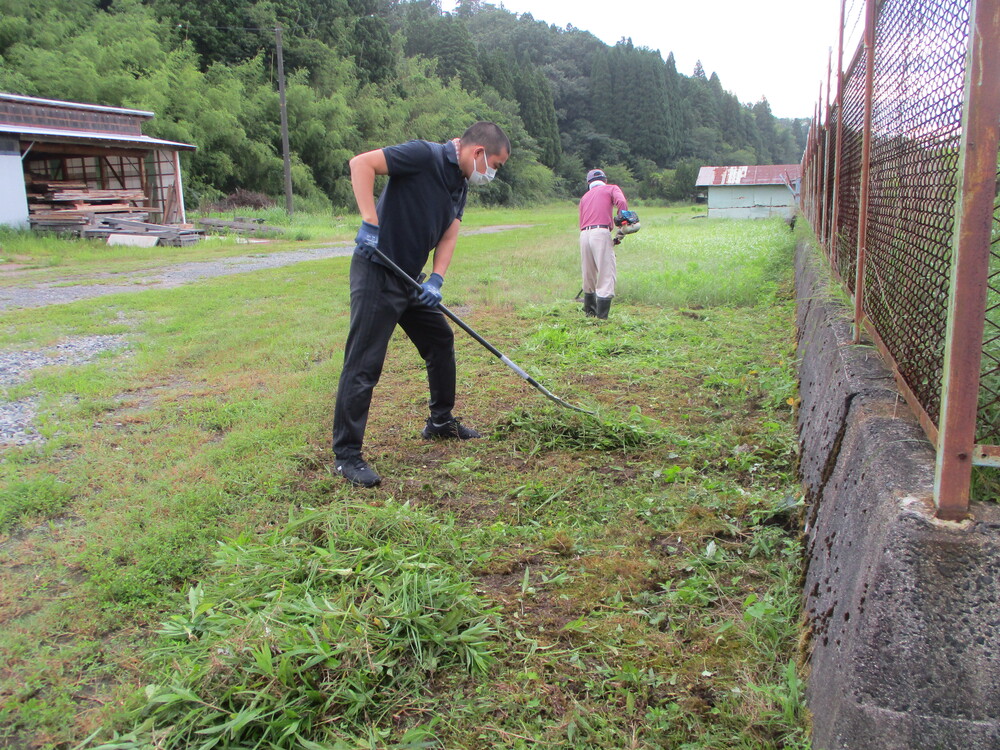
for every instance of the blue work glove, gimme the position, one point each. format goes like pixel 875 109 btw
pixel 431 294
pixel 367 240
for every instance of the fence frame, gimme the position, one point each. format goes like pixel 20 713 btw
pixel 954 434
pixel 970 263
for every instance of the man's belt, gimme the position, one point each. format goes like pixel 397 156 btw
pixel 598 226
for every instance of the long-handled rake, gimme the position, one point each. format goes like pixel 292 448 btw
pixel 486 344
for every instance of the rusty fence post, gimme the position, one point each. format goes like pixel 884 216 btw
pixel 809 166
pixel 818 168
pixel 866 156
pixel 970 263
pixel 839 144
pixel 827 159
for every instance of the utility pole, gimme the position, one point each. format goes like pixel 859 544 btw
pixel 284 123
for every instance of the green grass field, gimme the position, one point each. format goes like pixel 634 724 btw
pixel 180 568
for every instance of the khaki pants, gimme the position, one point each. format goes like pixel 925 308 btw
pixel 597 257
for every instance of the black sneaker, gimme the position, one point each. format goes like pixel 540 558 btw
pixel 451 429
pixel 356 471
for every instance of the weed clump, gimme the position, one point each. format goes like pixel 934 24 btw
pixel 242 199
pixel 333 625
pixel 556 429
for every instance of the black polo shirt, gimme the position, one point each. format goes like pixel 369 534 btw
pixel 426 192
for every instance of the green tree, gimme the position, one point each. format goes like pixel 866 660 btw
pixel 629 99
pixel 770 146
pixel 447 40
pixel 532 92
pixel 498 73
pixel 220 30
pixel 373 51
pixel 685 176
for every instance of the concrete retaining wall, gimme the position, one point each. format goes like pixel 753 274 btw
pixel 903 610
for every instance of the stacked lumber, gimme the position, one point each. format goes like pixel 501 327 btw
pixel 38 184
pixel 93 196
pixel 166 234
pixel 64 203
pixel 241 225
pixel 62 224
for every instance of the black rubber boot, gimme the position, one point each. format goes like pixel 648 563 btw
pixel 590 304
pixel 603 307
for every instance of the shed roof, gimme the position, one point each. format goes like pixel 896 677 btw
pixel 62 135
pixel 769 174
pixel 74 105
pixel 54 121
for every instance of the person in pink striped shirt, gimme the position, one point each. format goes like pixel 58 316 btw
pixel 597 252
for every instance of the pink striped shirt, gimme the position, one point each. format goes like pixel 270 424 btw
pixel 596 205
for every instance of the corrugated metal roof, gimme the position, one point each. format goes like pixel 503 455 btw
pixel 768 174
pixel 74 105
pixel 89 136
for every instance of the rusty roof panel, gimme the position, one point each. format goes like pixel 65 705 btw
pixel 74 122
pixel 57 135
pixel 42 113
pixel 767 174
pixel 36 101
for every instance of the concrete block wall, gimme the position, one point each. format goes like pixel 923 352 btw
pixel 903 610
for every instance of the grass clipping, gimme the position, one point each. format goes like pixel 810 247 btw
pixel 314 637
pixel 549 428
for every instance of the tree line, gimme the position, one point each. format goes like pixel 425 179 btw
pixel 366 73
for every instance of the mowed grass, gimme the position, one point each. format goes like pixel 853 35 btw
pixel 184 569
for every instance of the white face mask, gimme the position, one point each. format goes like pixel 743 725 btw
pixel 482 178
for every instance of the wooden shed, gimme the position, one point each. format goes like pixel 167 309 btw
pixel 65 164
pixel 751 192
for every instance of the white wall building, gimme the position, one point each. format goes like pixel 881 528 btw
pixel 751 192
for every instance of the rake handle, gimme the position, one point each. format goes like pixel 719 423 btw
pixel 486 344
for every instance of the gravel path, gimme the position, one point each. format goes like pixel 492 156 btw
pixel 165 277
pixel 17 417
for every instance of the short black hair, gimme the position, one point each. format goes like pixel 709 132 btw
pixel 489 135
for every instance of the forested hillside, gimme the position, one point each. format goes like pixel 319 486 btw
pixel 365 73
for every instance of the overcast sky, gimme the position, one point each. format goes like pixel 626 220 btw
pixel 773 48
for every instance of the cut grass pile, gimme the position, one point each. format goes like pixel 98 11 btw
pixel 536 429
pixel 190 573
pixel 342 615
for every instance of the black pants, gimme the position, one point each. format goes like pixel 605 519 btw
pixel 380 300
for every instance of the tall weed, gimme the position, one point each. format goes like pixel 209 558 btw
pixel 332 625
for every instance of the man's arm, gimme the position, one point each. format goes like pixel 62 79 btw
pixel 364 167
pixel 618 197
pixel 445 249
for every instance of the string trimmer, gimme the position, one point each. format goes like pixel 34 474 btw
pixel 486 344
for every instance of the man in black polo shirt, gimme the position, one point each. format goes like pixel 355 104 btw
pixel 419 210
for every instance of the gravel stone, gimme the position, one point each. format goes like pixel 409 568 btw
pixel 17 417
pixel 17 422
pixel 165 277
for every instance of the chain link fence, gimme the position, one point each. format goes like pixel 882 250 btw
pixel 988 417
pixel 883 185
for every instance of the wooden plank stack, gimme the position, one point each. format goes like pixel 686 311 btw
pixel 174 235
pixel 241 225
pixel 50 200
pixel 71 207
